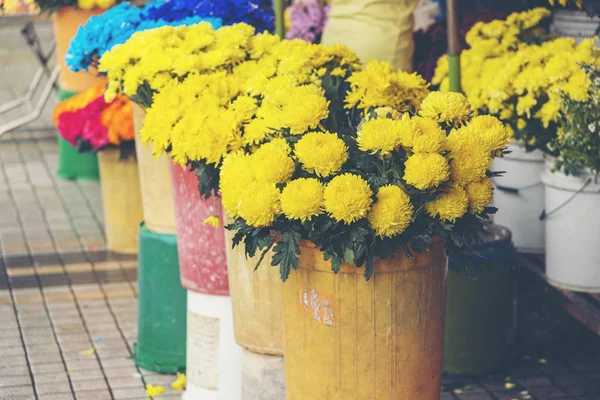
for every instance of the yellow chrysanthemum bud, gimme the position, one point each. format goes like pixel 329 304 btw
pixel 392 213
pixel 426 170
pixel 480 194
pixel 259 204
pixel 380 135
pixel 302 199
pixel 347 198
pixel 450 108
pixel 449 206
pixel 322 153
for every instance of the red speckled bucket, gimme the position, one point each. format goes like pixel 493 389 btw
pixel 202 260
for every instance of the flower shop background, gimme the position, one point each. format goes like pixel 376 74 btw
pixel 549 363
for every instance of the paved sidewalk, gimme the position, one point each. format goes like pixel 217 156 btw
pixel 68 307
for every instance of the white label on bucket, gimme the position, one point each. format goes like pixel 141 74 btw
pixel 203 351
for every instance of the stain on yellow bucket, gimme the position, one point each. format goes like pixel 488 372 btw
pixel 256 300
pixel 121 200
pixel 351 339
pixel 66 21
pixel 155 180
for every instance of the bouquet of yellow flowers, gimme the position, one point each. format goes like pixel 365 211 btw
pixel 201 119
pixel 517 74
pixel 304 144
pixel 367 174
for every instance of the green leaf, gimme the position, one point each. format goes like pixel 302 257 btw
pixel 286 253
pixel 349 256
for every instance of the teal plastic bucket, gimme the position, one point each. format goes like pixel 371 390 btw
pixel 478 308
pixel 73 165
pixel 162 305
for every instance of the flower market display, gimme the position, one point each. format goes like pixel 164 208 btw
pixel 572 185
pixel 515 70
pixel 312 147
pixel 90 124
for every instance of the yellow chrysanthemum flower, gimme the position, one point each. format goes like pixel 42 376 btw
pixel 322 153
pixel 470 156
pixel 304 108
pixel 392 213
pixel 347 198
pixel 244 108
pixel 379 135
pixel 427 136
pixel 446 107
pixel 492 132
pixel 302 199
pixel 480 195
pixel 259 204
pixel 271 162
pixel 236 173
pixel 449 206
pixel 426 170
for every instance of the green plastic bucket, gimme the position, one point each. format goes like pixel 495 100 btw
pixel 73 165
pixel 162 305
pixel 478 308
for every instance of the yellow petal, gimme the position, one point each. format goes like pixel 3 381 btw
pixel 88 352
pixel 543 361
pixel 154 390
pixel 509 385
pixel 213 221
pixel 180 382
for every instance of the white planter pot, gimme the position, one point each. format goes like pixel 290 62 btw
pixel 214 359
pixel 263 377
pixel 574 23
pixel 572 231
pixel 519 197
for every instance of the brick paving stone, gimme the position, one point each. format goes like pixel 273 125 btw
pixel 547 392
pixel 48 367
pixel 117 372
pixel 90 384
pixel 581 388
pixel 54 376
pixel 94 395
pixel 125 382
pixel 55 396
pixel 53 387
pixel 85 375
pixel 129 393
pixel 535 381
pixel 10 391
pixel 474 396
pixel 15 380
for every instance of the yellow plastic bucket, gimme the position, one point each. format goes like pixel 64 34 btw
pixel 155 180
pixel 356 22
pixel 256 299
pixel 351 339
pixel 66 21
pixel 121 199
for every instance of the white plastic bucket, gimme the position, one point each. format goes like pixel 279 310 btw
pixel 263 376
pixel 572 231
pixel 214 359
pixel 574 23
pixel 519 197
